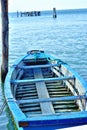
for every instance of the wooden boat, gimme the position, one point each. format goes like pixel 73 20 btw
pixel 43 92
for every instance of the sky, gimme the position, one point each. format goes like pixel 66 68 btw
pixel 27 5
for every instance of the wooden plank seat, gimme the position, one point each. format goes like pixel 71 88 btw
pixel 42 91
pixel 37 66
pixel 43 79
pixel 52 99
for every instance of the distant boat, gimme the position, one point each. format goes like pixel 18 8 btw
pixel 44 93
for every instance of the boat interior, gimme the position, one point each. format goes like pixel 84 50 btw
pixel 43 87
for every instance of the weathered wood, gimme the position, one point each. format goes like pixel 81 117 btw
pixel 68 106
pixel 69 98
pixel 5 33
pixel 54 13
pixel 43 93
pixel 42 80
pixel 37 66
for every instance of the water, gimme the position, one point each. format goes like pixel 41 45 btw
pixel 65 36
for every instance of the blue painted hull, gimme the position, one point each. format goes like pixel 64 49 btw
pixel 62 122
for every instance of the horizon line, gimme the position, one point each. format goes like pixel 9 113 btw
pixel 46 10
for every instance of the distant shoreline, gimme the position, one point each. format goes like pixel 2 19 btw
pixel 59 10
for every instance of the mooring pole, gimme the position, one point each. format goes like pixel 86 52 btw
pixel 5 35
pixel 17 14
pixel 54 13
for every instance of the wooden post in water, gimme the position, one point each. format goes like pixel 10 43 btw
pixel 17 14
pixel 54 13
pixel 5 33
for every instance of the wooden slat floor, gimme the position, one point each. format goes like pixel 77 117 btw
pixel 44 90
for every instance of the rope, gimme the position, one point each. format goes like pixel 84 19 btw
pixel 36 56
pixel 2 107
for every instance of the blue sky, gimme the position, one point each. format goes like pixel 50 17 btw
pixel 26 5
